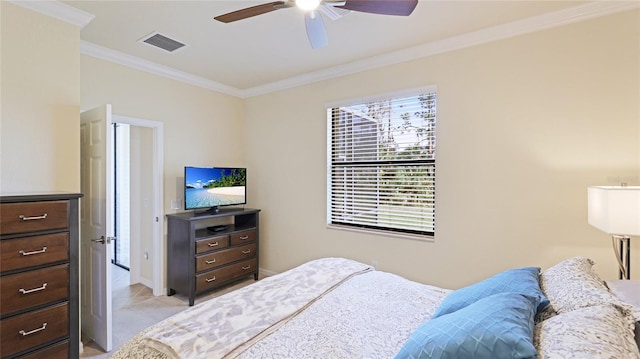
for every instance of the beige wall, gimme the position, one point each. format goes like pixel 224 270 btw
pixel 141 202
pixel 40 103
pixel 202 127
pixel 524 126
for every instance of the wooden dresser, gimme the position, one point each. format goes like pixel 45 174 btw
pixel 39 285
pixel 199 259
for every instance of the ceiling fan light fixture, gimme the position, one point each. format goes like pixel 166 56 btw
pixel 308 5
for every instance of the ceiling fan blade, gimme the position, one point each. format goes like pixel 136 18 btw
pixel 316 32
pixel 383 7
pixel 250 12
pixel 332 12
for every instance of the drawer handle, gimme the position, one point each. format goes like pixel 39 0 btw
pixel 209 280
pixel 24 334
pixel 211 262
pixel 25 218
pixel 213 244
pixel 244 237
pixel 247 251
pixel 44 249
pixel 25 291
pixel 247 267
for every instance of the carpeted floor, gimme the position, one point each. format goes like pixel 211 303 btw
pixel 135 308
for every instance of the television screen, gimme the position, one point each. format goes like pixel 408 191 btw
pixel 206 187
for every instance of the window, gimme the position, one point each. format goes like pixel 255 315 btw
pixel 382 166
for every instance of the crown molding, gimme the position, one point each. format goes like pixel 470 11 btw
pixel 520 27
pixel 103 53
pixel 58 10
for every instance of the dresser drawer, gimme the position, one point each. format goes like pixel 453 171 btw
pixel 225 256
pixel 218 276
pixel 33 216
pixel 56 351
pixel 32 288
pixel 26 252
pixel 212 244
pixel 28 330
pixel 243 237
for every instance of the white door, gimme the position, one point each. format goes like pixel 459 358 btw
pixel 96 225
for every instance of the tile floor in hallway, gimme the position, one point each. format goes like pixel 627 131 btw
pixel 135 308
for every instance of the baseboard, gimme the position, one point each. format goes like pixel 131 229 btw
pixel 266 273
pixel 146 282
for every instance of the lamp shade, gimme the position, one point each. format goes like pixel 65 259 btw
pixel 615 209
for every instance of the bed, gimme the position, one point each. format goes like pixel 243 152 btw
pixel 340 308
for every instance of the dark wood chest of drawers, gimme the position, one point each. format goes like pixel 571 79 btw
pixel 199 260
pixel 39 282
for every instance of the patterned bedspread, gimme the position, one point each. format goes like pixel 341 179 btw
pixel 369 316
pixel 330 307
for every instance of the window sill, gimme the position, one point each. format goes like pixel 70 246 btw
pixel 415 237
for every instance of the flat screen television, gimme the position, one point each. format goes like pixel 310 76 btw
pixel 209 188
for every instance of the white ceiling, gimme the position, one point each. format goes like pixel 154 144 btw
pixel 273 47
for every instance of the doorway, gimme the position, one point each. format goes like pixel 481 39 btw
pixel 138 200
pixel 133 207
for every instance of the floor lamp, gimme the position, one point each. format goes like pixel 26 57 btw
pixel 616 210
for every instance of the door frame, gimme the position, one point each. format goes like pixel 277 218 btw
pixel 158 196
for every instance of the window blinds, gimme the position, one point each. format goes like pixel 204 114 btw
pixel 382 164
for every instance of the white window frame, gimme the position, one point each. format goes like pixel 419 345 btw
pixel 392 232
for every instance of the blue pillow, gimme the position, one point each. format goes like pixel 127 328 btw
pixel 495 327
pixel 520 280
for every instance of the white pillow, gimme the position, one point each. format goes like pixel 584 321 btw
pixel 596 332
pixel 573 284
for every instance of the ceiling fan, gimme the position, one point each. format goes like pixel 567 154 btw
pixel 314 24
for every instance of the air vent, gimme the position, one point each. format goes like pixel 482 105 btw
pixel 158 40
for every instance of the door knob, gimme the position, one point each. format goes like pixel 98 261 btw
pixel 103 240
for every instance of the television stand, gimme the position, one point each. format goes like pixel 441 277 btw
pixel 201 258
